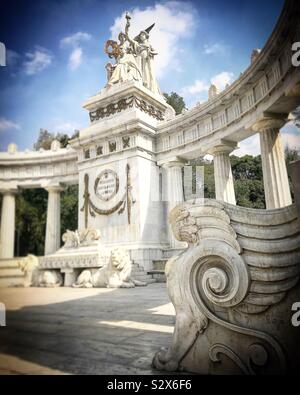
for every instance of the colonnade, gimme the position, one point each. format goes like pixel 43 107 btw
pixel 276 186
pixel 7 226
pixel 275 176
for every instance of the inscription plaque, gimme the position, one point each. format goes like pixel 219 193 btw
pixel 106 184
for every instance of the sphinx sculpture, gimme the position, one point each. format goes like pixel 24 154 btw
pixel 134 59
pixel 233 289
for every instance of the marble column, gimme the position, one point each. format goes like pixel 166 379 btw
pixel 173 191
pixel 7 232
pixel 224 185
pixel 276 183
pixel 52 243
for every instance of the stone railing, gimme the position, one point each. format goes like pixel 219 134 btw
pixel 34 169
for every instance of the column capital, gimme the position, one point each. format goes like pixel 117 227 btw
pixel 9 191
pixel 270 121
pixel 294 91
pixel 223 148
pixel 174 161
pixel 54 188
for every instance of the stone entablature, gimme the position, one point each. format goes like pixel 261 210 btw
pixel 38 168
pixel 123 104
pixel 124 96
pixel 263 87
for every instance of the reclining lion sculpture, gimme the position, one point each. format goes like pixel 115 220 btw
pixel 116 274
pixel 36 277
pixel 233 290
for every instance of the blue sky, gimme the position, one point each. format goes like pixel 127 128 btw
pixel 55 55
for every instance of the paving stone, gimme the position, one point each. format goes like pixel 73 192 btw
pixel 80 331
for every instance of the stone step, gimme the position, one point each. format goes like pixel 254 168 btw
pixel 138 273
pixel 11 272
pixel 145 277
pixel 151 281
pixel 10 263
pixel 160 264
pixel 158 275
pixel 6 282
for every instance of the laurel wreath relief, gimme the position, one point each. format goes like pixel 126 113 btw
pixel 126 201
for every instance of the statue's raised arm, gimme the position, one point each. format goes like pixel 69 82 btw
pixel 145 56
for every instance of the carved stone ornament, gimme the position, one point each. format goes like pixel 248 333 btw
pixel 106 185
pixel 116 274
pixel 231 288
pixel 123 104
pixel 78 238
pixel 126 201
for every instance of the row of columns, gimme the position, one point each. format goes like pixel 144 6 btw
pixel 275 176
pixel 7 226
pixel 276 186
pixel 276 182
pixel 173 192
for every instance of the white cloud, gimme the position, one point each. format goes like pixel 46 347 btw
pixel 37 61
pixel 214 49
pixel 75 58
pixel 6 124
pixel 12 58
pixel 173 20
pixel 200 86
pixel 222 79
pixel 290 140
pixel 249 146
pixel 75 41
pixel 60 126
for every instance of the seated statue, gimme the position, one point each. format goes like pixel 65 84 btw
pixel 116 274
pixel 126 68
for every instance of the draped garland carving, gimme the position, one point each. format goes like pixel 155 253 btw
pixel 123 104
pixel 125 202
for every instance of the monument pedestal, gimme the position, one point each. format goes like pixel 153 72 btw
pixel 119 179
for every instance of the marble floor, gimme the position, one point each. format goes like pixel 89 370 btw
pixel 84 331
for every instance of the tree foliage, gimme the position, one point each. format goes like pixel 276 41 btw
pixel 45 139
pixel 248 178
pixel 31 206
pixel 176 101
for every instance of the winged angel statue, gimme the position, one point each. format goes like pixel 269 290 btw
pixel 134 59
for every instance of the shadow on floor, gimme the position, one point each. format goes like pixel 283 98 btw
pixel 111 332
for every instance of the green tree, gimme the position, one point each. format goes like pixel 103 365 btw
pixel 290 156
pixel 248 181
pixel 31 206
pixel 45 139
pixel 31 212
pixel 69 208
pixel 175 101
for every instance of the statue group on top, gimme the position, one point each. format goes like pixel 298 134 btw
pixel 134 59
